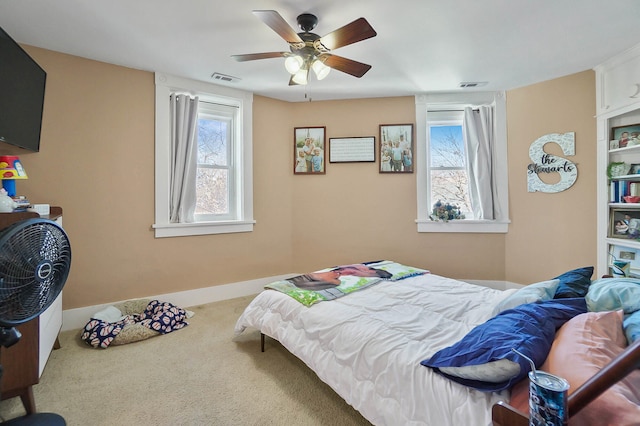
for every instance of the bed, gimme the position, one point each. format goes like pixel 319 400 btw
pixel 373 345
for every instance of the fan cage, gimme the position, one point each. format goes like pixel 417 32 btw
pixel 35 259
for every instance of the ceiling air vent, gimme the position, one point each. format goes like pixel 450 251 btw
pixel 224 78
pixel 468 84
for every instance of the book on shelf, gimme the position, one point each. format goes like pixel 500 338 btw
pixel 614 193
pixel 622 188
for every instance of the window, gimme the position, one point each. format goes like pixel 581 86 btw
pixel 215 173
pixel 448 178
pixel 224 193
pixel 442 171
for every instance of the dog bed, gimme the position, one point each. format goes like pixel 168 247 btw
pixel 133 321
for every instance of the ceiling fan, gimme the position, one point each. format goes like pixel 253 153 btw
pixel 309 50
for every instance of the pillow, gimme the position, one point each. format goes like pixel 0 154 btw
pixel 492 372
pixel 396 270
pixel 132 333
pixel 583 346
pixel 135 332
pixel 611 294
pixel 574 283
pixel 528 328
pixel 631 326
pixel 537 292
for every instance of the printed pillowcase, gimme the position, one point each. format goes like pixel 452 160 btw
pixel 574 283
pixel 397 270
pixel 631 325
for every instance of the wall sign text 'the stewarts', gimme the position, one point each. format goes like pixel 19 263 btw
pixel 549 163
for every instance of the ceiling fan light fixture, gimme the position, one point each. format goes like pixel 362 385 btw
pixel 301 77
pixel 320 69
pixel 293 64
pixel 310 51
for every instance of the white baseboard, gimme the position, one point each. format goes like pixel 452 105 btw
pixel 498 285
pixel 78 317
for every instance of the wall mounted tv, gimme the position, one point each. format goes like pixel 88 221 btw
pixel 22 83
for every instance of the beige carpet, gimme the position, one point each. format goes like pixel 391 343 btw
pixel 194 376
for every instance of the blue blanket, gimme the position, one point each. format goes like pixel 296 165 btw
pixel 528 328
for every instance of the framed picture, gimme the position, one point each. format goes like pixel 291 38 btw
pixel 352 150
pixel 309 151
pixel 627 255
pixel 625 224
pixel 396 148
pixel 634 169
pixel 626 135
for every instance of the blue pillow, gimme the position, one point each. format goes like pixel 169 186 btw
pixel 631 325
pixel 528 328
pixel 613 294
pixel 574 283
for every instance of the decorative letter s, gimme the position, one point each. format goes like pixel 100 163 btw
pixel 549 163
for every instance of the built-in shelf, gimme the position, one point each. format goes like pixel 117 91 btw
pixel 625 205
pixel 634 176
pixel 617 105
pixel 634 244
pixel 625 149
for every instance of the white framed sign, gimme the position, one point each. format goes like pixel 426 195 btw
pixel 352 150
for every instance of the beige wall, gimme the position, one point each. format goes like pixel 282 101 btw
pixel 96 162
pixel 354 214
pixel 551 233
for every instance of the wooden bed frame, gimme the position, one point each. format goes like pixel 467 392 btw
pixel 505 415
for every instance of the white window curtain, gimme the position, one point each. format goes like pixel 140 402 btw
pixel 481 162
pixel 184 144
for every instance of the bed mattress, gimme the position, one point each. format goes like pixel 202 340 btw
pixel 368 346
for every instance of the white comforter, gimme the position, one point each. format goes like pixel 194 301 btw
pixel 368 346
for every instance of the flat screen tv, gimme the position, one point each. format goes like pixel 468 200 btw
pixel 22 83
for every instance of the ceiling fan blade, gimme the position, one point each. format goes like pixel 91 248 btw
pixel 353 32
pixel 254 56
pixel 277 23
pixel 349 66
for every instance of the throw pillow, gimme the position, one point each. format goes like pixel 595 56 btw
pixel 574 283
pixel 537 292
pixel 582 347
pixel 611 294
pixel 631 325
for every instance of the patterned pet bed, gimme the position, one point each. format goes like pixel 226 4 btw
pixel 132 321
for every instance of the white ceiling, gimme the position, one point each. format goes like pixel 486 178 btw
pixel 421 46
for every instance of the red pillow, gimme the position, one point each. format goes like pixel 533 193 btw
pixel 581 348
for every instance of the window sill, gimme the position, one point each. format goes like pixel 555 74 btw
pixel 469 226
pixel 202 228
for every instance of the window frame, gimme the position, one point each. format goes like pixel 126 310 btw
pixel 243 151
pixel 458 101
